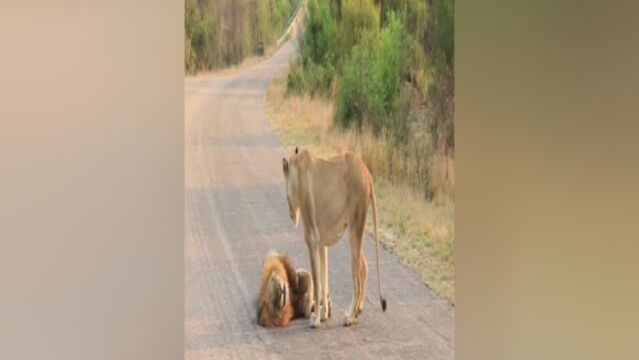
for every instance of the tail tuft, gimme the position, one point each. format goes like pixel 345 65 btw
pixel 383 304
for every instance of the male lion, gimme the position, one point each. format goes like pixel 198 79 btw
pixel 332 195
pixel 285 293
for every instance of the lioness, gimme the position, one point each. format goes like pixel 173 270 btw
pixel 285 293
pixel 332 195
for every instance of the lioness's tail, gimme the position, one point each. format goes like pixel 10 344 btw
pixel 379 277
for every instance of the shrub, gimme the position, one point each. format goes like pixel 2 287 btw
pixel 314 79
pixel 356 93
pixel 319 34
pixel 442 87
pixel 295 80
pixel 358 17
pixel 319 78
pixel 441 107
pixel 200 30
pixel 280 12
pixel 316 72
pixel 370 81
pixel 445 31
pixel 389 67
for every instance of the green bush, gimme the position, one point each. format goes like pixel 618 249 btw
pixel 414 16
pixel 390 65
pixel 369 86
pixel 279 14
pixel 356 93
pixel 316 72
pixel 358 17
pixel 319 78
pixel 313 79
pixel 392 61
pixel 319 34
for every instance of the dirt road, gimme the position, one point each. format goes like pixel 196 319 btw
pixel 236 211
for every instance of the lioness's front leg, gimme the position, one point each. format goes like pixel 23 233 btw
pixel 326 299
pixel 314 252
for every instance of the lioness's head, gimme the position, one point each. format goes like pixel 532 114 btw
pixel 292 187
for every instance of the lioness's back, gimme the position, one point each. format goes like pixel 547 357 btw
pixel 341 185
pixel 345 166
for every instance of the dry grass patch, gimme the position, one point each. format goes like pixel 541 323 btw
pixel 418 228
pixel 420 232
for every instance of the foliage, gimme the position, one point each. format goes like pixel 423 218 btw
pixel 316 71
pixel 358 17
pixel 315 79
pixel 369 87
pixel 444 18
pixel 319 34
pixel 388 66
pixel 220 33
pixel 199 31
pixel 356 92
pixel 442 87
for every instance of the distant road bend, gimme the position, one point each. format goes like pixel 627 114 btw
pixel 236 211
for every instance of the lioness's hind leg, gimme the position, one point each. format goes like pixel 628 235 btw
pixel 355 238
pixel 363 270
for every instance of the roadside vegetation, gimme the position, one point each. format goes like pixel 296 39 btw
pixel 376 77
pixel 222 33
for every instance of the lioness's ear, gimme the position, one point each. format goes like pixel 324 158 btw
pixel 296 150
pixel 285 166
